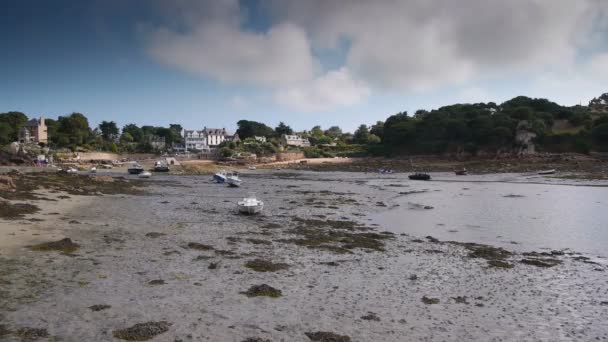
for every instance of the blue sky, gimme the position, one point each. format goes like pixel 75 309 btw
pixel 346 62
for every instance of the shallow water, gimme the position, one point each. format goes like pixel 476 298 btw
pixel 514 211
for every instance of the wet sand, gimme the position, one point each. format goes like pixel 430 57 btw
pixel 179 255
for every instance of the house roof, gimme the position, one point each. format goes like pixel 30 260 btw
pixel 33 123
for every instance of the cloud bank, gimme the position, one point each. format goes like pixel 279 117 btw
pixel 394 45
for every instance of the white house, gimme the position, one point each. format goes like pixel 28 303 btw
pixel 205 139
pixel 259 139
pixel 295 140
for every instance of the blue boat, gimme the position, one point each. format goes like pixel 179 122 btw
pixel 220 177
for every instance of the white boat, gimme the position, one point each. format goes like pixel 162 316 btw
pixel 233 179
pixel 252 168
pixel 546 172
pixel 72 170
pixel 145 174
pixel 93 170
pixel 107 166
pixel 250 205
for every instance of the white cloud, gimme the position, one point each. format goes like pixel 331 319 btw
pixel 223 52
pixel 334 89
pixel 403 45
pixel 421 44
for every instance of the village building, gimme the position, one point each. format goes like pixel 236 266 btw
pixel 34 131
pixel 295 140
pixel 207 138
pixel 260 139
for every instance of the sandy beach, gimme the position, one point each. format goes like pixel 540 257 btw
pixel 178 263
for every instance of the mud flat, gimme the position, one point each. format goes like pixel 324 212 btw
pixel 180 264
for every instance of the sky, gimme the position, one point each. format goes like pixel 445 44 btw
pixel 316 62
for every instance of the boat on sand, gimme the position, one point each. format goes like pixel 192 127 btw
pixel 233 179
pixel 250 205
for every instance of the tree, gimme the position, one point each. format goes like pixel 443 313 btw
pixel 6 132
pixel 282 128
pixel 73 129
pixel 109 130
pixel 334 132
pixel 13 122
pixel 126 137
pixel 317 132
pixel 226 152
pixel 252 128
pixel 361 135
pixel 177 133
pixel 378 129
pixel 600 134
pixel 135 132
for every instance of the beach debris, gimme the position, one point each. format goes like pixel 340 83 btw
pixel 432 239
pixel 330 263
pixel 430 300
pixel 142 331
pixel 413 277
pixel 485 251
pixel 256 339
pixel 324 336
pixel 260 265
pixel 13 211
pixel 31 334
pixel 155 235
pixel 199 246
pixel 99 307
pixel 65 246
pixel 262 290
pixel 499 264
pixel 259 241
pixel 371 316
pixel 212 265
pixel 513 196
pixel 460 300
pixel 427 207
pixel 156 282
pixel 541 262
pixel 4 330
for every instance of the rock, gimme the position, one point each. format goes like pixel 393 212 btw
pixel 413 277
pixel 499 264
pixel 541 262
pixel 263 290
pixel 142 331
pixel 429 300
pixel 371 317
pixel 64 245
pixel 324 336
pixel 7 184
pixel 156 282
pixel 99 307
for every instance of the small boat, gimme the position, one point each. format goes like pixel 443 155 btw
pixel 159 167
pixel 72 170
pixel 135 169
pixel 385 171
pixel 93 170
pixel 107 166
pixel 233 179
pixel 220 177
pixel 252 168
pixel 250 205
pixel 462 172
pixel 145 174
pixel 419 176
pixel 546 172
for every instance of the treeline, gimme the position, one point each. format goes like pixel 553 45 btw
pixel 492 127
pixel 472 128
pixel 74 132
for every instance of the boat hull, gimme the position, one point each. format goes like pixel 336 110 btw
pixel 419 177
pixel 233 182
pixel 161 169
pixel 135 171
pixel 219 178
pixel 250 209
